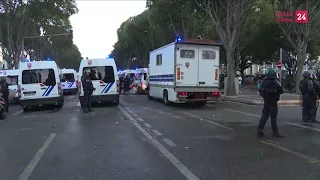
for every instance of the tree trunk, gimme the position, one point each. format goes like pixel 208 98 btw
pixel 301 57
pixel 231 89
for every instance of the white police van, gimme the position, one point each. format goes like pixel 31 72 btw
pixel 11 77
pixel 68 81
pixel 104 78
pixel 39 84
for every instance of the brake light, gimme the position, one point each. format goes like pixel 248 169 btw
pixel 182 94
pixel 19 91
pixel 178 74
pixel 118 86
pixel 216 93
pixel 101 82
pixel 59 88
pixel 77 83
pixel 217 74
pixel 79 87
pixel 42 85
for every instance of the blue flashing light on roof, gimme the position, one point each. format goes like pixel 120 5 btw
pixel 109 56
pixel 87 58
pixel 179 39
pixel 48 59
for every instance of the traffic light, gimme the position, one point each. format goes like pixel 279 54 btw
pixel 70 34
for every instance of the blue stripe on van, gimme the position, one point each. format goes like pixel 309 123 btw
pixel 108 87
pixel 70 85
pixel 104 88
pixel 46 91
pixel 49 91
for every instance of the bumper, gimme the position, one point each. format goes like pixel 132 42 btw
pixel 44 101
pixel 102 99
pixel 67 91
pixel 208 99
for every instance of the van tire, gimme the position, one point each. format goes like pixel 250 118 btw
pixel 25 109
pixel 116 102
pixel 165 98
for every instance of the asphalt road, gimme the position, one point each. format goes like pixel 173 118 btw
pixel 143 139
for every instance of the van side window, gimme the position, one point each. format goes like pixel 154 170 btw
pixel 159 60
pixel 103 73
pixel 209 55
pixel 12 80
pixel 186 53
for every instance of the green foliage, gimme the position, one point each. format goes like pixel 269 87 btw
pixel 20 20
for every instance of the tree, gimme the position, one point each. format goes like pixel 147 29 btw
pixel 228 17
pixel 20 19
pixel 299 35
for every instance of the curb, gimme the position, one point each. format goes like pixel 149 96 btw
pixel 258 102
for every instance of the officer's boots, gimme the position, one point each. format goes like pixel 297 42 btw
pixel 275 130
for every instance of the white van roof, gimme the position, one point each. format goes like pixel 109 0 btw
pixel 65 71
pixel 9 72
pixel 38 65
pixel 98 62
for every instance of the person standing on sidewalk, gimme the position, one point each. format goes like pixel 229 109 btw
pixel 308 89
pixel 317 88
pixel 270 90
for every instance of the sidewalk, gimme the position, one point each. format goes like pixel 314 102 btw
pixel 251 96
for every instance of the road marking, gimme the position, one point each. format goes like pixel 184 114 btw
pixel 130 111
pixel 18 112
pixel 147 125
pixel 24 129
pixel 175 161
pixel 209 121
pixel 140 119
pixel 156 132
pixel 33 163
pixel 302 126
pixel 78 105
pixel 135 115
pixel 178 117
pixel 240 112
pixel 169 142
pixel 310 159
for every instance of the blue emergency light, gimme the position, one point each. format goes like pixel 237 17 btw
pixel 48 59
pixel 179 39
pixel 109 56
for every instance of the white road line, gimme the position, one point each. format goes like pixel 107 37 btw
pixel 310 159
pixel 24 129
pixel 33 163
pixel 78 105
pixel 130 111
pixel 302 126
pixel 18 112
pixel 181 167
pixel 209 121
pixel 169 142
pixel 135 115
pixel 140 119
pixel 240 112
pixel 147 125
pixel 156 132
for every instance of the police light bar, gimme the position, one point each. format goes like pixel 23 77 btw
pixel 198 41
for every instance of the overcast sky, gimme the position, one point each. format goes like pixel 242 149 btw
pixel 95 26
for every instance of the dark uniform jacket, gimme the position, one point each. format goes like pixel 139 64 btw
pixel 87 84
pixel 270 90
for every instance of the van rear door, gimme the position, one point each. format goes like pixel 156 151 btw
pixel 208 75
pixel 35 84
pixel 187 65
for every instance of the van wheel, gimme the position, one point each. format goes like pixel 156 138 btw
pixel 165 98
pixel 26 109
pixel 116 102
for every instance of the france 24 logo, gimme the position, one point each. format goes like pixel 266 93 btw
pixel 302 16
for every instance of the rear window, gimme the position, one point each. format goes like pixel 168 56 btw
pixel 104 73
pixel 12 80
pixel 45 76
pixel 208 55
pixel 67 77
pixel 184 53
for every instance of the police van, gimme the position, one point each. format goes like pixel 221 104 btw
pixel 104 76
pixel 11 77
pixel 39 84
pixel 68 81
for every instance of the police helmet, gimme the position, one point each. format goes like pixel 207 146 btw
pixel 271 73
pixel 306 74
pixel 87 71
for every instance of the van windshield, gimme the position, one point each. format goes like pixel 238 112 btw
pixel 67 77
pixel 45 76
pixel 104 73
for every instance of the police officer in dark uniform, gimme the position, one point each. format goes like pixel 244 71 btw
pixel 270 90
pixel 317 88
pixel 121 79
pixel 127 83
pixel 5 93
pixel 87 89
pixel 310 90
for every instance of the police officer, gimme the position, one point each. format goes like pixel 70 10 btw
pixel 270 90
pixel 87 89
pixel 127 83
pixel 317 89
pixel 309 89
pixel 121 79
pixel 5 93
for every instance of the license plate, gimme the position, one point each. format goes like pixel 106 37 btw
pixel 30 94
